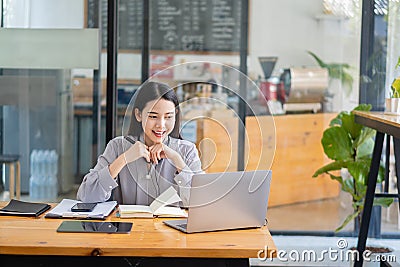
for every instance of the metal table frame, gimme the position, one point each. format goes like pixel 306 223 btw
pixel 382 127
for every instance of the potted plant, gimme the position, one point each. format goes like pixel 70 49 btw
pixel 350 146
pixel 396 83
pixel 393 103
pixel 336 71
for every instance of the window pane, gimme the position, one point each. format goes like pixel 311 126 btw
pixel 39 89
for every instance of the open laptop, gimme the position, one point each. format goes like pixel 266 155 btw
pixel 229 200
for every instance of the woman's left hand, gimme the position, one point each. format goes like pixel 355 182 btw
pixel 160 151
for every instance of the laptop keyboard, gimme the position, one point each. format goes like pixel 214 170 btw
pixel 183 225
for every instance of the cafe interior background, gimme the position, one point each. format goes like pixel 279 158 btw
pixel 55 98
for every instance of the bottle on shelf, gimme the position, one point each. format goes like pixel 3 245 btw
pixel 43 183
pixel 33 181
pixel 52 178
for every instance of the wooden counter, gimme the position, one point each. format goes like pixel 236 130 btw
pixel 297 156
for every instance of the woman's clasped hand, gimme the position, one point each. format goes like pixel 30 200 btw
pixel 152 154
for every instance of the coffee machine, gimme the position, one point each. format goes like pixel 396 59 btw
pixel 304 88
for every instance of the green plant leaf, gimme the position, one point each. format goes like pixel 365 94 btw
pixel 359 204
pixel 384 201
pixel 395 88
pixel 398 63
pixel 337 121
pixel 347 81
pixel 347 220
pixel 348 186
pixel 319 61
pixel 336 71
pixel 339 66
pixel 361 190
pixel 336 178
pixel 359 170
pixel 333 166
pixel 363 107
pixel 337 144
pixel 366 134
pixel 354 129
pixel 365 148
pixel 381 174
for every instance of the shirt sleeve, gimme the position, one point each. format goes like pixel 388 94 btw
pixel 184 177
pixel 98 184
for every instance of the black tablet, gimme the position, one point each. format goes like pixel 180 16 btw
pixel 94 227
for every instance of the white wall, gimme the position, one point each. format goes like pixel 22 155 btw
pixel 44 14
pixel 286 29
pixel 58 14
pixel 289 28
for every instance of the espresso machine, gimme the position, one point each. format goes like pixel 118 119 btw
pixel 304 88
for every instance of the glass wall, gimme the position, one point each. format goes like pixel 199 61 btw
pixel 43 46
pixel 287 44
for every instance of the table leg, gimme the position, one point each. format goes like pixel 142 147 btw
pixel 396 142
pixel 11 180
pixel 369 198
pixel 387 164
pixel 18 178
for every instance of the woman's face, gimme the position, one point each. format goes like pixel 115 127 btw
pixel 157 119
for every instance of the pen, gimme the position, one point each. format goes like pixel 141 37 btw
pixel 130 140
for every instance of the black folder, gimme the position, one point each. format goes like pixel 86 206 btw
pixel 22 208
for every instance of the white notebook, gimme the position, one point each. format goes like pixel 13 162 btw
pixel 158 208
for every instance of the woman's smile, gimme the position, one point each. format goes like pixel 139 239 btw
pixel 159 134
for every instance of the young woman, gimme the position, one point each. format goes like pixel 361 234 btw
pixel 135 169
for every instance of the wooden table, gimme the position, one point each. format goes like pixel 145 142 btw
pixel 148 238
pixel 383 124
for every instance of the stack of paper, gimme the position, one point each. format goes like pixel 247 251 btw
pixel 158 208
pixel 63 210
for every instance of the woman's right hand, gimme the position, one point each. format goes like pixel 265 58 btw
pixel 136 151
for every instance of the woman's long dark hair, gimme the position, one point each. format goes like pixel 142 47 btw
pixel 150 91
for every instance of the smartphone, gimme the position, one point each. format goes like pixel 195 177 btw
pixel 79 207
pixel 94 227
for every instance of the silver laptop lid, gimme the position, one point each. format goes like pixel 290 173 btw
pixel 228 200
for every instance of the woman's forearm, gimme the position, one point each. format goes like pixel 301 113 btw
pixel 179 163
pixel 117 165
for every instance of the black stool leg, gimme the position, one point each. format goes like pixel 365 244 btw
pixel 369 198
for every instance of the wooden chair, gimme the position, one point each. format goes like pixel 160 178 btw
pixel 12 161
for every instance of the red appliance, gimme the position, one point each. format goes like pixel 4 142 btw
pixel 271 87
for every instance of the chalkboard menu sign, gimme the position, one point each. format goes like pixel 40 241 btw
pixel 178 25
